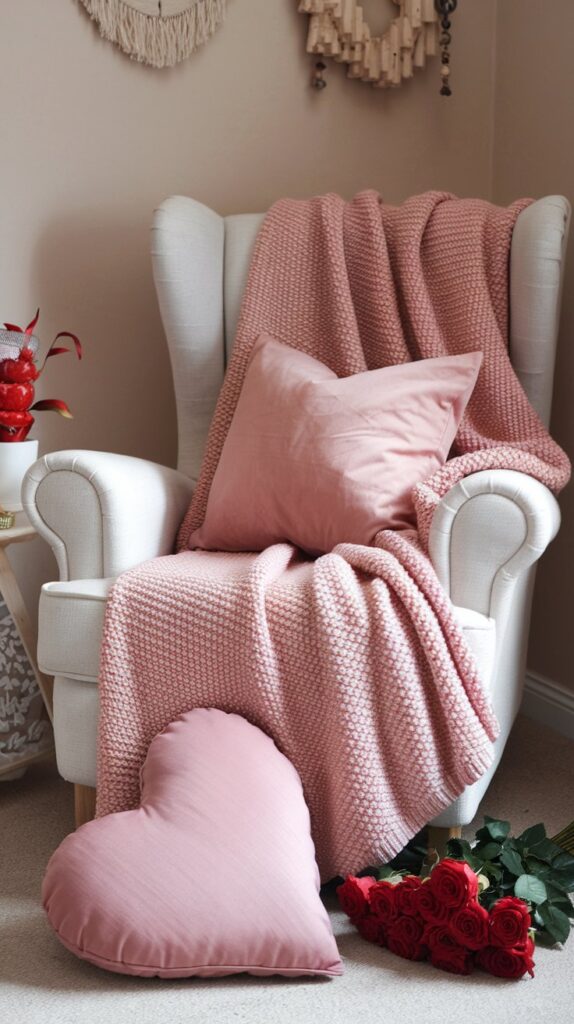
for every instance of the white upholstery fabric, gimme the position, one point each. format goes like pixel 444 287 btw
pixel 187 244
pixel 240 234
pixel 76 711
pixel 538 246
pixel 104 513
pixel 71 619
pixel 488 529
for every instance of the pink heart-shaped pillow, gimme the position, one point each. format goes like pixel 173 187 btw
pixel 213 874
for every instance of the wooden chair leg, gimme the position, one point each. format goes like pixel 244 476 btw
pixel 437 839
pixel 84 803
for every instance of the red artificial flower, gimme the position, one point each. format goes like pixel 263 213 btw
pixel 17 388
pixel 454 883
pixel 470 926
pixel 16 397
pixel 428 906
pixel 21 370
pixel 15 426
pixel 509 923
pixel 383 901
pixel 507 963
pixel 404 895
pixel 353 895
pixel 445 952
pixel 371 929
pixel 404 937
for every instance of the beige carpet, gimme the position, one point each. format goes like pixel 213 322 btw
pixel 41 982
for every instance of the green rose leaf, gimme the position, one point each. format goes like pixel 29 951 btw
pixel 512 861
pixel 492 870
pixel 544 938
pixel 565 906
pixel 487 851
pixel 545 850
pixel 531 889
pixel 563 870
pixel 387 873
pixel 538 868
pixel 555 890
pixel 555 921
pixel 497 830
pixel 534 834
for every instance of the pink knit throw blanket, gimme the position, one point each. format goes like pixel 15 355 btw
pixel 353 663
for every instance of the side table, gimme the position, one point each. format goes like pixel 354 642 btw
pixel 25 733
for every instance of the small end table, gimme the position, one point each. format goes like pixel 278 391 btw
pixel 22 530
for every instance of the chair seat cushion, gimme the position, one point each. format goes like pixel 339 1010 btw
pixel 213 874
pixel 72 616
pixel 70 624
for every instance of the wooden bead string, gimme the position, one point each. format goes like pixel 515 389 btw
pixel 338 29
pixel 445 8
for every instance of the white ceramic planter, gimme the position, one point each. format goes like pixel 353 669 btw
pixel 15 458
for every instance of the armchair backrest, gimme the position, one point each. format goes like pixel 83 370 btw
pixel 200 264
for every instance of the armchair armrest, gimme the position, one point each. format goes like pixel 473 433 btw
pixel 486 532
pixel 103 513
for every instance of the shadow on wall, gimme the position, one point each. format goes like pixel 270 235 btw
pixel 91 274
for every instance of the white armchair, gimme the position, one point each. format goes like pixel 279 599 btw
pixel 104 513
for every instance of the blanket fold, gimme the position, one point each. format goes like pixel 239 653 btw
pixel 354 663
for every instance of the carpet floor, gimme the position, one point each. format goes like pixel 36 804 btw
pixel 41 982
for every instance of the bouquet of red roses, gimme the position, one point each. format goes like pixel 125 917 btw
pixel 440 919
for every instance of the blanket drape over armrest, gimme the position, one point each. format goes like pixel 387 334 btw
pixel 353 663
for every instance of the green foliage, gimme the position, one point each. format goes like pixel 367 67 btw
pixel 530 866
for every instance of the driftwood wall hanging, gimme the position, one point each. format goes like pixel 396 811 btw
pixel 339 29
pixel 157 32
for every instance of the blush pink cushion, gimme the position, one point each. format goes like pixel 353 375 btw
pixel 214 874
pixel 318 460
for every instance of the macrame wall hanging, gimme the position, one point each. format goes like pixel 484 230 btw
pixel 339 29
pixel 157 32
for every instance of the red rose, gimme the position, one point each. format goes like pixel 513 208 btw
pixel 404 894
pixel 353 895
pixel 509 922
pixel 470 926
pixel 404 937
pixel 507 963
pixel 454 883
pixel 428 906
pixel 437 936
pixel 383 901
pixel 445 953
pixel 457 960
pixel 371 929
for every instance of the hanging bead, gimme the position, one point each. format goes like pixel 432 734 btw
pixel 318 81
pixel 445 8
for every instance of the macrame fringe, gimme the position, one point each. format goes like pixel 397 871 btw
pixel 155 40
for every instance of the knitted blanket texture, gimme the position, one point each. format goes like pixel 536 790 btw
pixel 353 663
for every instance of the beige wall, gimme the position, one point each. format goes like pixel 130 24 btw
pixel 534 155
pixel 92 141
